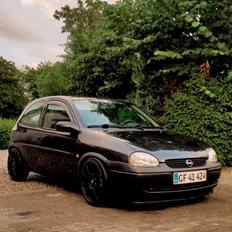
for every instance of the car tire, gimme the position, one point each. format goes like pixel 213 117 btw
pixel 93 181
pixel 17 168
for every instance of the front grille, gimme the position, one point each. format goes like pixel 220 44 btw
pixel 181 163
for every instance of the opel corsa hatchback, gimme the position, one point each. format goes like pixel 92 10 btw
pixel 110 146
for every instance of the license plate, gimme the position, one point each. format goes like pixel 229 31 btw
pixel 189 177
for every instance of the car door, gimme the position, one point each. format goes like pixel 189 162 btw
pixel 58 154
pixel 27 132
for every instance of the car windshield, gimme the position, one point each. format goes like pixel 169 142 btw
pixel 107 113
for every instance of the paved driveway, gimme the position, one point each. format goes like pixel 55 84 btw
pixel 41 205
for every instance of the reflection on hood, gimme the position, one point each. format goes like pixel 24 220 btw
pixel 159 140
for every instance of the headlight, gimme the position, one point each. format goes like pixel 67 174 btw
pixel 141 159
pixel 212 155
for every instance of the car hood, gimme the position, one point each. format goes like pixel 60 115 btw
pixel 163 144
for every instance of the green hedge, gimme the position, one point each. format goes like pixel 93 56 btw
pixel 5 129
pixel 204 109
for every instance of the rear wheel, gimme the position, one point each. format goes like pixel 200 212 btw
pixel 93 179
pixel 17 168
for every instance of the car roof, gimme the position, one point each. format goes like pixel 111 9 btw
pixel 68 98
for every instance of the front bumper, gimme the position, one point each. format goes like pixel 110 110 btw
pixel 158 187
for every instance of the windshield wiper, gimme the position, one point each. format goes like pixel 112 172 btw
pixel 145 127
pixel 141 127
pixel 105 126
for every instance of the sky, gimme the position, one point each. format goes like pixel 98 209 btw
pixel 28 32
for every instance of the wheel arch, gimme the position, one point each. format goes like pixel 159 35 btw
pixel 13 147
pixel 88 155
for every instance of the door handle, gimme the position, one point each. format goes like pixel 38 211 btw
pixel 37 140
pixel 23 130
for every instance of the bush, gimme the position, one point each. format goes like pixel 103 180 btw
pixel 204 109
pixel 5 128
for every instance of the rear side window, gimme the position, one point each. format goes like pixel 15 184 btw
pixel 54 114
pixel 31 117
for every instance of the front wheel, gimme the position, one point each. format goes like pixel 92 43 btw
pixel 17 168
pixel 93 180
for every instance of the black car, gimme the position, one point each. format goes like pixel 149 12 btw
pixel 110 147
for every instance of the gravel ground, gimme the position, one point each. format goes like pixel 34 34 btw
pixel 41 205
pixel 35 182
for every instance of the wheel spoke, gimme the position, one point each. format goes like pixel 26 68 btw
pixel 92 181
pixel 96 194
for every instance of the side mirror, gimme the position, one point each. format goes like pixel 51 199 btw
pixel 65 126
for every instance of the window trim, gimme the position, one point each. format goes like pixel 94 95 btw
pixel 57 103
pixel 27 108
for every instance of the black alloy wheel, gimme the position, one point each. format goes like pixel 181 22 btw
pixel 17 168
pixel 93 179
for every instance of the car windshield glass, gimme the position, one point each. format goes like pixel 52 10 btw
pixel 107 113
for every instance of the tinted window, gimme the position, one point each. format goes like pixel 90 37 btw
pixel 31 116
pixel 100 112
pixel 54 114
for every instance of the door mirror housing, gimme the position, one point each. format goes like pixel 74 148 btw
pixel 65 126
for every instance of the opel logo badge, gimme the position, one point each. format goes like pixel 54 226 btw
pixel 189 163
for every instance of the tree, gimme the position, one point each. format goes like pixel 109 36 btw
pixel 168 41
pixel 28 77
pixel 52 79
pixel 204 110
pixel 98 70
pixel 147 49
pixel 47 79
pixel 12 98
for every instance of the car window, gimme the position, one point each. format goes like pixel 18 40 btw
pixel 31 116
pixel 54 114
pixel 99 112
